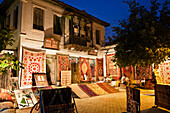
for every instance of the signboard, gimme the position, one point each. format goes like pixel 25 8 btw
pixel 92 52
pixel 65 78
pixel 51 43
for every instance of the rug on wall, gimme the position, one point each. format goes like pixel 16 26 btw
pixel 97 89
pixel 164 70
pixel 84 69
pixel 92 63
pixel 99 65
pixel 111 69
pixel 128 72
pixel 62 64
pixel 143 72
pixel 34 62
pixel 87 90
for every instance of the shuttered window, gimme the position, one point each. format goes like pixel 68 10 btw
pixel 38 19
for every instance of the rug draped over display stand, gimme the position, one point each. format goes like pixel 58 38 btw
pixel 34 62
pixel 84 69
pixel 62 64
pixel 111 69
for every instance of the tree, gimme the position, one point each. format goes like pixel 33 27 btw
pixel 144 38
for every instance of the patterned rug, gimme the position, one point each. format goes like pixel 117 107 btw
pixel 87 90
pixel 111 69
pixel 34 62
pixel 78 91
pixel 108 86
pixel 62 64
pixel 143 72
pixel 164 69
pixel 128 72
pixel 99 65
pixel 103 87
pixel 97 89
pixel 84 69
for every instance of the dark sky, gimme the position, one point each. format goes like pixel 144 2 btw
pixel 108 10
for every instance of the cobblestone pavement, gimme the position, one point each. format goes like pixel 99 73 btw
pixel 116 103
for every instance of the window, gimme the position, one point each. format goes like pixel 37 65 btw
pixel 7 22
pixel 57 26
pixel 15 22
pixel 38 19
pixel 97 37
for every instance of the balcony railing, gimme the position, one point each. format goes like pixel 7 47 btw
pixel 78 40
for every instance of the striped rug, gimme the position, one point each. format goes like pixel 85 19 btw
pixel 87 90
pixel 104 88
pixel 78 91
pixel 97 89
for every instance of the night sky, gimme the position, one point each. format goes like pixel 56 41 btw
pixel 108 10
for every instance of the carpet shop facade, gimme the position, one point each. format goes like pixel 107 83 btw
pixel 65 43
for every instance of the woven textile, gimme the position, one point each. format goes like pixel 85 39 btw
pixel 98 90
pixel 143 72
pixel 78 91
pixel 87 90
pixel 111 69
pixel 108 86
pixel 164 70
pixel 84 69
pixel 103 87
pixel 34 62
pixel 127 71
pixel 99 64
pixel 92 67
pixel 62 64
pixel 6 105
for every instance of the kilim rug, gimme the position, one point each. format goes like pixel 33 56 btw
pixel 84 69
pixel 78 91
pixel 143 72
pixel 87 90
pixel 92 67
pixel 97 89
pixel 99 65
pixel 128 72
pixel 108 86
pixel 34 62
pixel 111 69
pixel 103 87
pixel 62 64
pixel 164 69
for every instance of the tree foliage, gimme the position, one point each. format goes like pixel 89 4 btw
pixel 144 38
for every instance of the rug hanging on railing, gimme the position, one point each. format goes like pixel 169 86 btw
pixel 99 65
pixel 111 69
pixel 143 72
pixel 62 64
pixel 84 69
pixel 34 62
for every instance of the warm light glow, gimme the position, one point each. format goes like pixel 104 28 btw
pixel 72 48
pixel 95 50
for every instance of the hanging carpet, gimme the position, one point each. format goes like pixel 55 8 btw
pixel 143 72
pixel 84 69
pixel 62 64
pixel 34 62
pixel 128 72
pixel 111 69
pixel 99 64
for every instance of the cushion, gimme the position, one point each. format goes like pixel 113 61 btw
pixel 6 105
pixel 5 97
